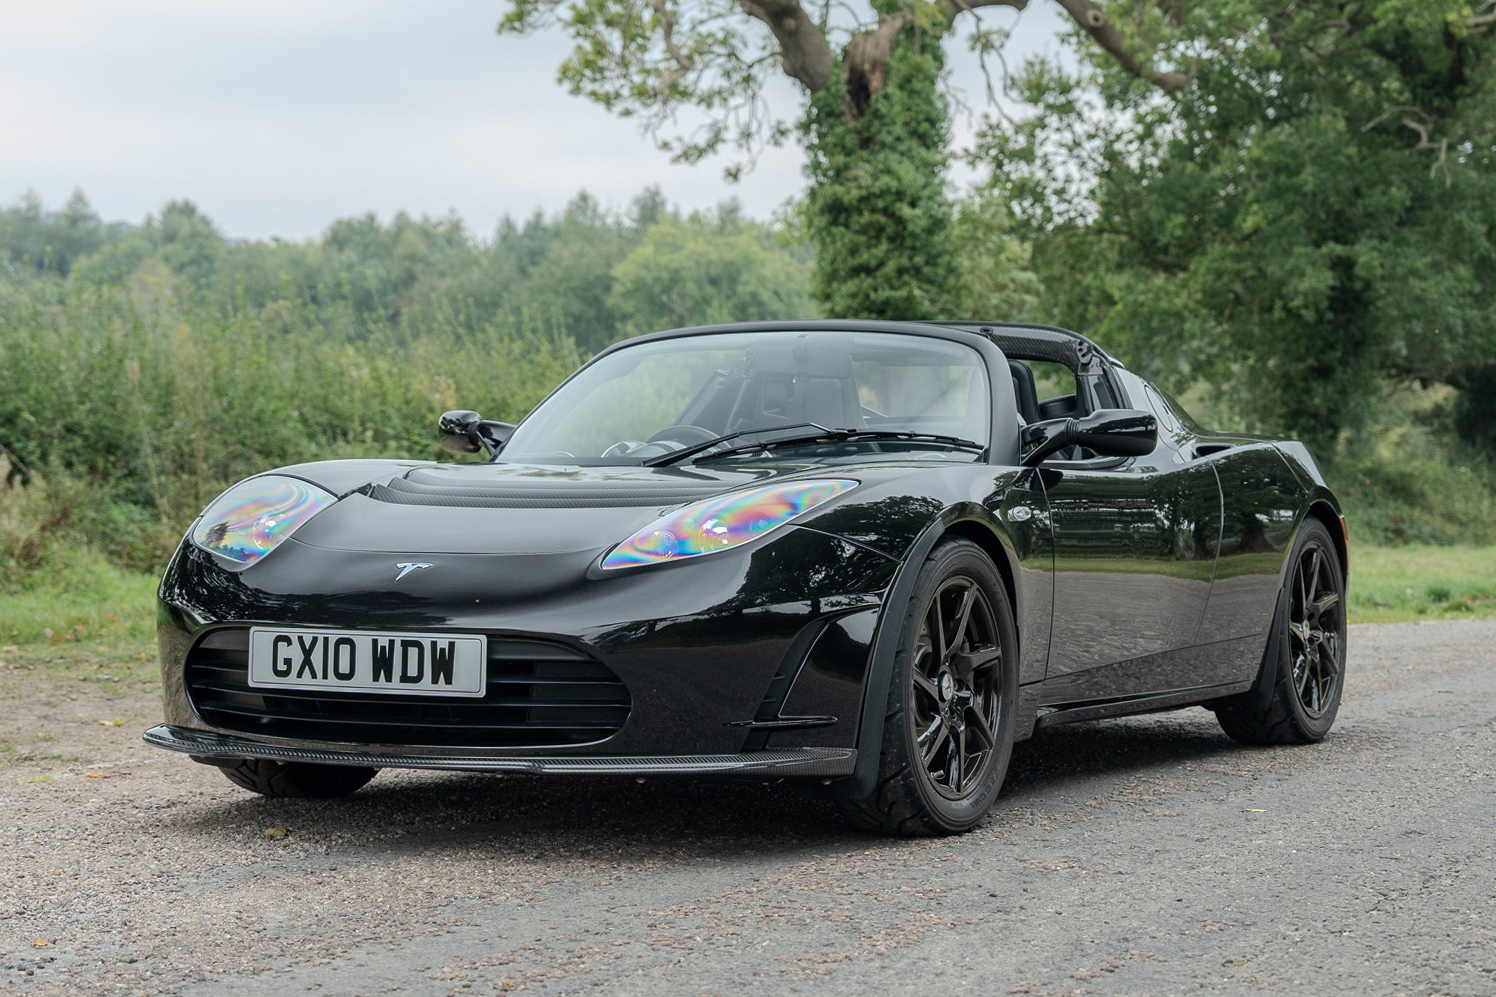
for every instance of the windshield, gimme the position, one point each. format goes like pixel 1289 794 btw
pixel 646 401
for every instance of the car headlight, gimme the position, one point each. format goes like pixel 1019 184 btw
pixel 722 523
pixel 252 518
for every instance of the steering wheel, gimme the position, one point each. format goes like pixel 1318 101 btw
pixel 684 435
pixel 622 448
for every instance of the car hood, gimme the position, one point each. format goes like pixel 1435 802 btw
pixel 502 508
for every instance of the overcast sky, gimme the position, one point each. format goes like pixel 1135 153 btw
pixel 276 117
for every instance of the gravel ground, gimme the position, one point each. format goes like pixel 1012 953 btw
pixel 1139 856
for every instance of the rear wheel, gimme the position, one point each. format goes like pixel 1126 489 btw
pixel 295 779
pixel 1305 659
pixel 948 730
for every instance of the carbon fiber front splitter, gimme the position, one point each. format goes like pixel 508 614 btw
pixel 776 762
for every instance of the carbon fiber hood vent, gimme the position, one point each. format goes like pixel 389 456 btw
pixel 507 488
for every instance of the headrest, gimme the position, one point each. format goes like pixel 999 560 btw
pixel 804 361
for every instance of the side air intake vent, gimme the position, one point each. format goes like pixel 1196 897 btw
pixel 539 694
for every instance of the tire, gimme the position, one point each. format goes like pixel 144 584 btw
pixel 1304 661
pixel 300 780
pixel 952 701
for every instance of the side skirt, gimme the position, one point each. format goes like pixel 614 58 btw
pixel 1053 714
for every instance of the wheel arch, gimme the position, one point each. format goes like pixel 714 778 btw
pixel 967 522
pixel 1322 510
pixel 985 537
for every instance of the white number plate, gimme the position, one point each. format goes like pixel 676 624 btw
pixel 359 661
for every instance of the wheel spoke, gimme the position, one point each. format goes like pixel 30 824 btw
pixel 1329 662
pixel 1302 586
pixel 926 685
pixel 958 764
pixel 1300 668
pixel 937 631
pixel 963 616
pixel 1301 631
pixel 980 729
pixel 931 740
pixel 1329 601
pixel 967 665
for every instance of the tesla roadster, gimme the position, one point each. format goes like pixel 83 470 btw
pixel 862 557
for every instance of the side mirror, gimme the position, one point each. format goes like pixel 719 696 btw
pixel 1109 432
pixel 466 431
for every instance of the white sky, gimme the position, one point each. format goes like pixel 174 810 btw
pixel 276 117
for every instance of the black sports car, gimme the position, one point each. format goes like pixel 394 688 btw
pixel 866 557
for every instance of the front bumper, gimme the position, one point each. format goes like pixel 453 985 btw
pixel 713 654
pixel 774 762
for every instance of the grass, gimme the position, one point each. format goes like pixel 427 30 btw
pixel 82 598
pixel 1420 582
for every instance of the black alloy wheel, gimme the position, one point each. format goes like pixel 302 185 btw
pixel 296 780
pixel 1303 666
pixel 956 694
pixel 1316 629
pixel 952 701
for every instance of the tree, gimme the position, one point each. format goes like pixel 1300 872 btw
pixel 707 269
pixel 1313 215
pixel 873 121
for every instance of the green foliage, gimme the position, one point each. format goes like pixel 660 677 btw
pixel 161 404
pixel 707 269
pixel 1312 216
pixel 169 362
pixel 996 281
pixel 874 126
pixel 33 238
pixel 876 210
pixel 653 62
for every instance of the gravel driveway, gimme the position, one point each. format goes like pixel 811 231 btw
pixel 1140 856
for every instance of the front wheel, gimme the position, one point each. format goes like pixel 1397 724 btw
pixel 295 779
pixel 1305 657
pixel 952 700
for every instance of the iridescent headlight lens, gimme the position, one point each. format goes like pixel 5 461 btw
pixel 722 523
pixel 252 518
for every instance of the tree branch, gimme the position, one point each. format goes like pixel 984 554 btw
pixel 1106 34
pixel 806 56
pixel 682 63
pixel 1423 129
pixel 953 8
pixel 1481 20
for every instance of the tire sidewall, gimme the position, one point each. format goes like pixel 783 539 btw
pixel 960 557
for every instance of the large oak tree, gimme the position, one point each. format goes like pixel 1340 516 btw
pixel 873 119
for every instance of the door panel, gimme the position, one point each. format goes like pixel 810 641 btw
pixel 1260 497
pixel 1135 549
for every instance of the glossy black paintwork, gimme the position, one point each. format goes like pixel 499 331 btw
pixel 1136 582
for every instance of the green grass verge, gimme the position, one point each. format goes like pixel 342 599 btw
pixel 84 599
pixel 1418 582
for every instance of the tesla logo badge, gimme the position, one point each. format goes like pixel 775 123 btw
pixel 1019 513
pixel 406 567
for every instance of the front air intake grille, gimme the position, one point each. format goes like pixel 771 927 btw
pixel 539 694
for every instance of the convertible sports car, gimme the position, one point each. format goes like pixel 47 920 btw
pixel 865 557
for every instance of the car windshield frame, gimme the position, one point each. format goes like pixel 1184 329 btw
pixel 742 382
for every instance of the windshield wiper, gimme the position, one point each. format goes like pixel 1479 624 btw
pixel 696 448
pixel 824 436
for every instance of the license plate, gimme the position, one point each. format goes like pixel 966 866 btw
pixel 358 661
